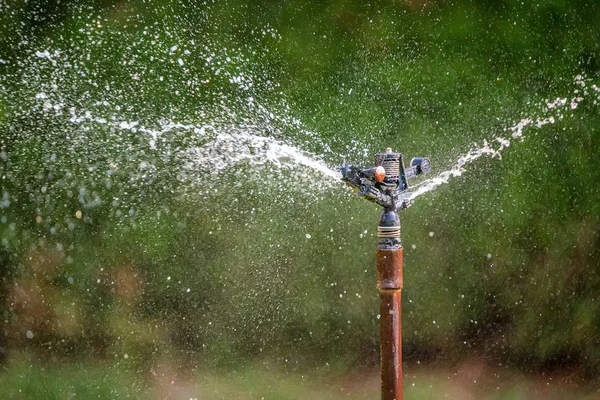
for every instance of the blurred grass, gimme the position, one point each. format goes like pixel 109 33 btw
pixel 263 381
pixel 25 380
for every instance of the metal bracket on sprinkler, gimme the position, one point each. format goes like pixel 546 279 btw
pixel 386 184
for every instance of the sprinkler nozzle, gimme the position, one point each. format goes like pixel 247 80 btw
pixel 422 164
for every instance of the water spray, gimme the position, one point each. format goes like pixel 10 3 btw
pixel 386 184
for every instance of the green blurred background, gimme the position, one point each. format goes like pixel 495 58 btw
pixel 127 272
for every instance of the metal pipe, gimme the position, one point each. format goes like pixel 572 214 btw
pixel 384 185
pixel 391 343
pixel 389 283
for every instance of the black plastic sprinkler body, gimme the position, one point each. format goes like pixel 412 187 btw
pixel 386 184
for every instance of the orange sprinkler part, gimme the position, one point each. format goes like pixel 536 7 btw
pixel 379 174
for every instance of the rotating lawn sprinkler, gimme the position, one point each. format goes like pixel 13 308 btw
pixel 386 184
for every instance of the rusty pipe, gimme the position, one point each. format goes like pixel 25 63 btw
pixel 385 185
pixel 389 284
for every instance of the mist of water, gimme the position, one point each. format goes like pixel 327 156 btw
pixel 252 126
pixel 551 112
pixel 224 148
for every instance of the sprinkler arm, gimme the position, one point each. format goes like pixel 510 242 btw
pixel 363 182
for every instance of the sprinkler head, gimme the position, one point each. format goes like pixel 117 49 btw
pixel 386 184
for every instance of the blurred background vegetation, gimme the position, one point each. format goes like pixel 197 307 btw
pixel 127 272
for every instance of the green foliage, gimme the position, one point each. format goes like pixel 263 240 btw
pixel 131 259
pixel 25 381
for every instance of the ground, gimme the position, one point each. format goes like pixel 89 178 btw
pixel 472 379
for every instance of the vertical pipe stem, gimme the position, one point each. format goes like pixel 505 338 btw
pixel 389 283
